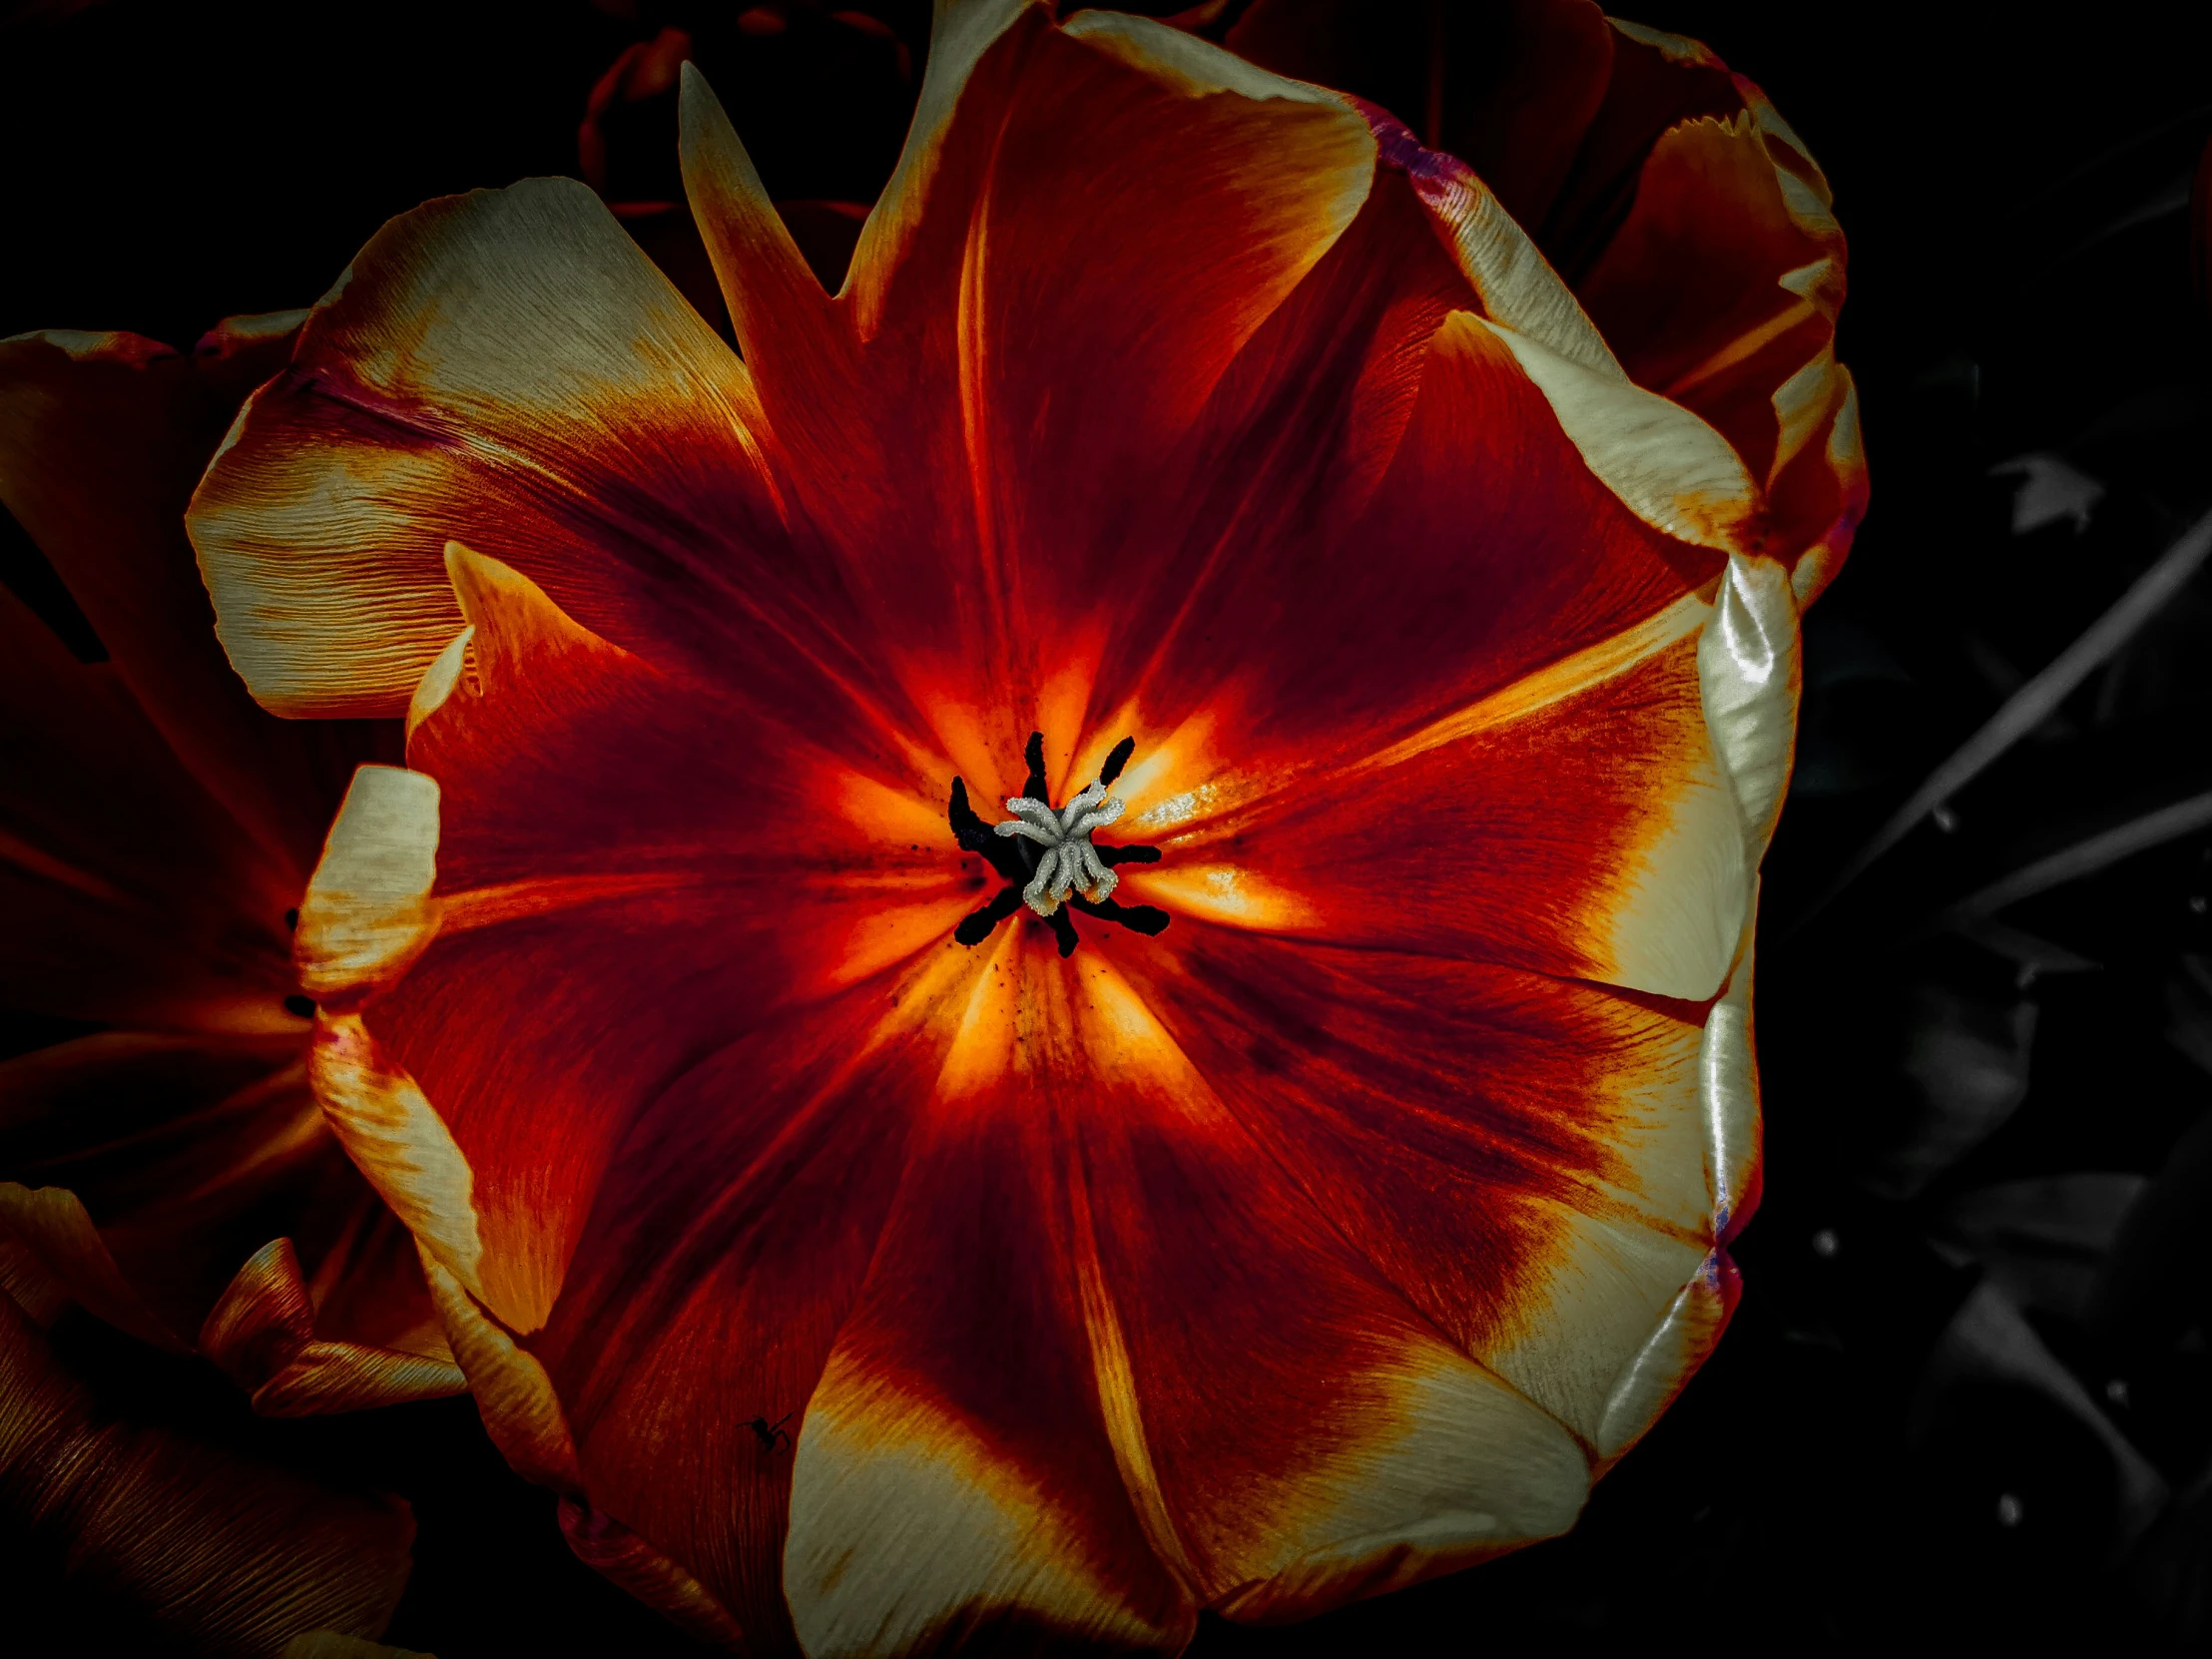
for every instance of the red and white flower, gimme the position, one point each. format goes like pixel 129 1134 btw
pixel 869 1259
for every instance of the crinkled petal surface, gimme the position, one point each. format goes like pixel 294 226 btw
pixel 874 1294
pixel 161 1542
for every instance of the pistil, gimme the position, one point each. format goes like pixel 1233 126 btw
pixel 1047 857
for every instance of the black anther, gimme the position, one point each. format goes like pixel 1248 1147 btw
pixel 1033 752
pixel 1138 919
pixel 1002 852
pixel 974 930
pixel 1112 856
pixel 1117 760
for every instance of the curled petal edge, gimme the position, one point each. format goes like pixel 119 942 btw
pixel 1728 1094
pixel 516 1396
pixel 1687 1335
pixel 1667 466
pixel 1750 675
pixel 261 1333
pixel 1516 284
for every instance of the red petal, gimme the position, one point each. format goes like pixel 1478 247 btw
pixel 1530 1162
pixel 1486 550
pixel 591 801
pixel 1101 1324
pixel 731 1236
pixel 962 1392
pixel 1577 825
pixel 926 414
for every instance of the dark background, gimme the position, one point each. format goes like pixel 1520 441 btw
pixel 1966 1395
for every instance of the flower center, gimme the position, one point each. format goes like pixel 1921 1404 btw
pixel 1047 857
pixel 1069 861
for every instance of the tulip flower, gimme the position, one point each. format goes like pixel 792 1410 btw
pixel 1075 943
pixel 165 1166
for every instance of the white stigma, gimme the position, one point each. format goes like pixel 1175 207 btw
pixel 1069 863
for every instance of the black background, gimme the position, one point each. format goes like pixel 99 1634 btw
pixel 1854 1467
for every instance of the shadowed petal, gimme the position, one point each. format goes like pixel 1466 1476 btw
pixel 107 923
pixel 1522 81
pixel 67 1256
pixel 102 438
pixel 166 1163
pixel 181 1149
pixel 608 1548
pixel 172 1542
pixel 328 1644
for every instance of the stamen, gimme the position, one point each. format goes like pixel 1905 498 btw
pixel 1138 919
pixel 1117 760
pixel 975 928
pixel 1033 753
